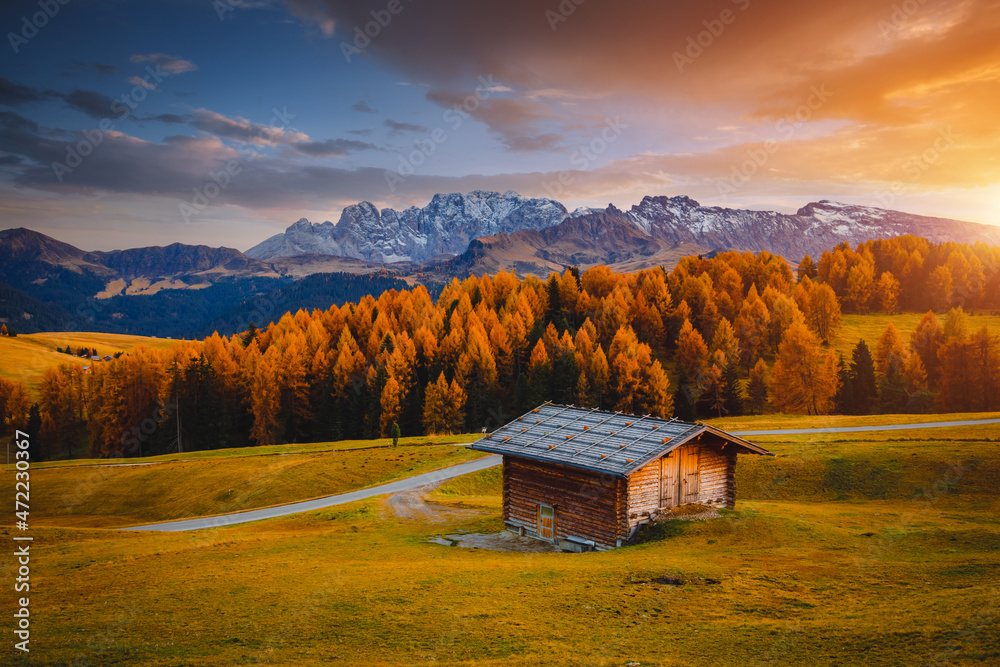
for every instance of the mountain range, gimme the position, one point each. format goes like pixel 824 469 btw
pixel 454 235
pixel 487 231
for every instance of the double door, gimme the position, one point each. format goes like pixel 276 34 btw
pixel 679 477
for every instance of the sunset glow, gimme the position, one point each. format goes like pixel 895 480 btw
pixel 318 105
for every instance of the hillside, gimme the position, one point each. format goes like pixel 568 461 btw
pixel 835 547
pixel 26 357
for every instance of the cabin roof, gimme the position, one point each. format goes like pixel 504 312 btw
pixel 607 442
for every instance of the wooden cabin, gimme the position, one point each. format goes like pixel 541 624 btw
pixel 587 479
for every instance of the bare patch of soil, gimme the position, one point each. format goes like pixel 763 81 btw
pixel 410 505
pixel 502 541
pixel 688 513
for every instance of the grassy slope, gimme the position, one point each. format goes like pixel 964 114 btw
pixel 900 570
pixel 870 328
pixel 180 486
pixel 782 421
pixel 26 357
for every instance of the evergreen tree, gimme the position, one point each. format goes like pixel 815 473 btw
pixel 732 402
pixel 892 393
pixel 757 387
pixel 843 401
pixel 864 389
pixel 33 428
pixel 250 335
pixel 685 399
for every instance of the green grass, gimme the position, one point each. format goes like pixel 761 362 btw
pixel 181 486
pixel 848 549
pixel 270 450
pixel 479 489
pixel 781 420
pixel 870 328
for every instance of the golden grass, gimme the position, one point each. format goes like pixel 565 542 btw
pixel 269 450
pixel 870 328
pixel 26 356
pixel 902 569
pixel 781 420
pixel 105 495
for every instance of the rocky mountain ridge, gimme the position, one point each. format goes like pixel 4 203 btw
pixel 447 225
pixel 442 228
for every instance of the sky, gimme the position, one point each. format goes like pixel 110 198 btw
pixel 221 122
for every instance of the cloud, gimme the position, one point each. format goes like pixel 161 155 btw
pixel 333 147
pixel 15 121
pixel 684 69
pixel 515 122
pixel 139 81
pixel 15 94
pixel 94 104
pixel 244 131
pixel 79 68
pixel 169 64
pixel 363 107
pixel 399 128
pixel 169 118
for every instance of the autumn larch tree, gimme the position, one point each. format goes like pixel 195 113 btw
pixel 925 341
pixel 939 287
pixel 444 407
pixel 887 293
pixel 692 357
pixel 803 378
pixel 807 268
pixel 824 313
pixel 752 327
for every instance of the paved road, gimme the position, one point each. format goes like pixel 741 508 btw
pixel 411 483
pixel 329 501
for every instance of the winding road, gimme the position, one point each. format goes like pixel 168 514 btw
pixel 411 483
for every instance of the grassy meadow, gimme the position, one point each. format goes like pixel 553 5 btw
pixel 870 327
pixel 26 356
pixel 870 548
pixel 179 486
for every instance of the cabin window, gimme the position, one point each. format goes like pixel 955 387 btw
pixel 546 522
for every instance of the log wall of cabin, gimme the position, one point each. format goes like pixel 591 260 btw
pixel 717 476
pixel 643 493
pixel 716 482
pixel 588 505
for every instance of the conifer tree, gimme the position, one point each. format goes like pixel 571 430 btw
pixel 864 387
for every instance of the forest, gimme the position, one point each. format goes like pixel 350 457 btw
pixel 735 333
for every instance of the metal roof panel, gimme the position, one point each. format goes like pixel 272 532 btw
pixel 591 439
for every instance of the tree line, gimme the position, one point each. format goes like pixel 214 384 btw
pixel 732 334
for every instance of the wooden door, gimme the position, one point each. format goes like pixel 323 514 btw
pixel 689 473
pixel 669 477
pixel 546 522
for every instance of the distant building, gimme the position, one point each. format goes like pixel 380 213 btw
pixel 589 479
